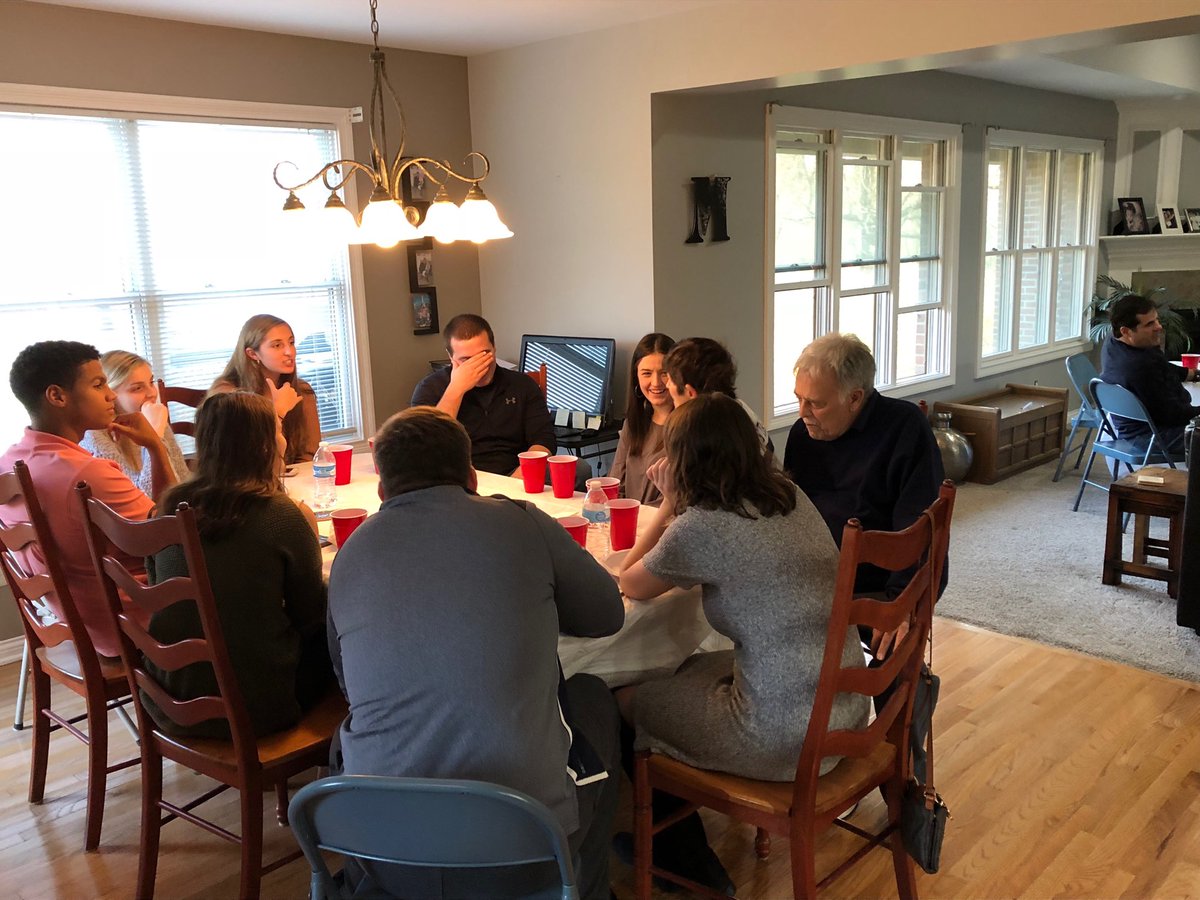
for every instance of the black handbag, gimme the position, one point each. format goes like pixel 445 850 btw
pixel 923 813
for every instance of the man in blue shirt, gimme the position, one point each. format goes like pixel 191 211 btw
pixel 858 454
pixel 1132 357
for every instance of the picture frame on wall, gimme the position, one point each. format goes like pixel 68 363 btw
pixel 425 311
pixel 1168 220
pixel 420 265
pixel 1193 219
pixel 1133 215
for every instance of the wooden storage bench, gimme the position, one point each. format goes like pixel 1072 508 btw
pixel 1012 429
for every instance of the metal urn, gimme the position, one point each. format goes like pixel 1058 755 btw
pixel 956 449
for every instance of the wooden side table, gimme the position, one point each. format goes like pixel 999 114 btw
pixel 1128 497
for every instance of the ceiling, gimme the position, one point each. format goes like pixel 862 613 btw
pixel 1160 69
pixel 458 27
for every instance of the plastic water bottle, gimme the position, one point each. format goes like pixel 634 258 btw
pixel 324 491
pixel 595 510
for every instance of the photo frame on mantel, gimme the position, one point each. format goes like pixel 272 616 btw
pixel 1168 220
pixel 425 311
pixel 1133 216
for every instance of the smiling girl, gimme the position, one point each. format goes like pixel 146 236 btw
pixel 641 440
pixel 264 362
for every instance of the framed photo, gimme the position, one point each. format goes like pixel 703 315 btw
pixel 420 265
pixel 1133 215
pixel 424 312
pixel 416 186
pixel 1168 220
pixel 1193 219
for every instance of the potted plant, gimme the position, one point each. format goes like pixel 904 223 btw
pixel 1175 332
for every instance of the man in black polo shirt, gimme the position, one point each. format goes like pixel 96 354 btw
pixel 503 411
pixel 1132 357
pixel 858 454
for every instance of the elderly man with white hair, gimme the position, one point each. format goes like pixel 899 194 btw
pixel 856 453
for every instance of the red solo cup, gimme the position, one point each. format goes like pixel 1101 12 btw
pixel 562 475
pixel 341 462
pixel 371 445
pixel 577 527
pixel 622 527
pixel 533 470
pixel 1190 360
pixel 344 523
pixel 611 487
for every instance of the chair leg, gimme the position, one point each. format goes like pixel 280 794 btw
pixel 762 844
pixel 41 736
pixel 1066 450
pixel 252 838
pixel 97 715
pixel 1083 447
pixel 804 864
pixel 128 723
pixel 643 837
pixel 906 876
pixel 22 684
pixel 281 801
pixel 1083 482
pixel 151 823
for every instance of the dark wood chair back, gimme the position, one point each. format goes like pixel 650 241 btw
pixel 185 396
pixel 924 545
pixel 24 532
pixel 107 530
pixel 539 377
pixel 1188 611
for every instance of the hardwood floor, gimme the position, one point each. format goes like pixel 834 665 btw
pixel 1067 776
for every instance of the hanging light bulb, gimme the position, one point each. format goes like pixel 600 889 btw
pixel 443 219
pixel 384 223
pixel 336 222
pixel 480 221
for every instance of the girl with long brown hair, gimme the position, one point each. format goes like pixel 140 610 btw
pixel 264 362
pixel 641 440
pixel 264 564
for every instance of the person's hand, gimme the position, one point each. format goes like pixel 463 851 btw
pixel 468 375
pixel 659 474
pixel 883 642
pixel 135 427
pixel 284 399
pixel 156 415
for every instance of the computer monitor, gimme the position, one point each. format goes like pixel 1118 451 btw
pixel 578 370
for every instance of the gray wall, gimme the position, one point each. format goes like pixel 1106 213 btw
pixel 718 289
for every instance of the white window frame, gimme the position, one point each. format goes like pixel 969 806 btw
pixel 892 130
pixel 63 100
pixel 1054 349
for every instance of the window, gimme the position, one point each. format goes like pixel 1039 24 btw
pixel 861 207
pixel 1040 238
pixel 161 234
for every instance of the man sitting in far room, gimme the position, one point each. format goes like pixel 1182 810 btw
pixel 858 454
pixel 503 411
pixel 1132 357
pixel 444 615
pixel 63 387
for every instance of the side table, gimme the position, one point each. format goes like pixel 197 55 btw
pixel 1128 497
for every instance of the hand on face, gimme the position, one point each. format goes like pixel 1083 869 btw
pixel 660 475
pixel 284 398
pixel 135 427
pixel 473 362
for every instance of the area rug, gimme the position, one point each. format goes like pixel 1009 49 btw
pixel 1022 563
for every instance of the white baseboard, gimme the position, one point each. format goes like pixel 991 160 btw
pixel 10 650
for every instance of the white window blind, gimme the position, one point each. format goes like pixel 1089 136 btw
pixel 162 236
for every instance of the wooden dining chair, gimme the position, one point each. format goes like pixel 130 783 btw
pixel 875 756
pixel 192 397
pixel 60 649
pixel 243 762
pixel 539 377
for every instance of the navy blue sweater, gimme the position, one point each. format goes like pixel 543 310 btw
pixel 1153 380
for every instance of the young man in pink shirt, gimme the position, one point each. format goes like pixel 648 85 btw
pixel 62 386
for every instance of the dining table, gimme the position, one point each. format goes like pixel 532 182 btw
pixel 657 635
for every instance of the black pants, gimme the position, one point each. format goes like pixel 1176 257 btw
pixel 594 713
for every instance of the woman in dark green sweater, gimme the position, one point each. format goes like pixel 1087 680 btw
pixel 264 564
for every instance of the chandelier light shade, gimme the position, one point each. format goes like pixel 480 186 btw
pixel 386 221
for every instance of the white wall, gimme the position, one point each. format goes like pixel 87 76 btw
pixel 567 124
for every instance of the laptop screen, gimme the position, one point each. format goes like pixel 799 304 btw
pixel 578 370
